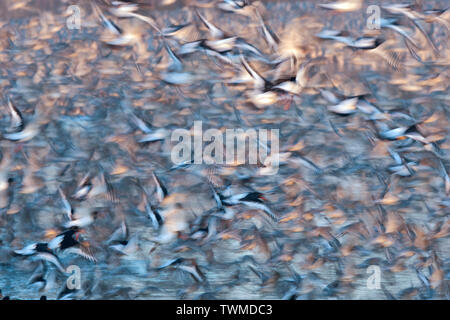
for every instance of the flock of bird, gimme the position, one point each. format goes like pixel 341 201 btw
pixel 86 177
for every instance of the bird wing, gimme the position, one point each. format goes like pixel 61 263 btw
pixel 82 253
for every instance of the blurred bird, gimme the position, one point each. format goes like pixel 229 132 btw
pixel 345 107
pixel 414 16
pixel 42 279
pixel 128 10
pixel 359 43
pixel 262 94
pixel 83 188
pixel 41 251
pixel 250 199
pixel 184 32
pixel 5 182
pixel 149 134
pixel 270 37
pixel 2 297
pixel 17 122
pixel 294 85
pixel 67 293
pixel 438 15
pixel 188 265
pixel 68 210
pixel 161 190
pixel 109 24
pixel 93 186
pixel 121 241
pixel 83 217
pixel 151 211
pixel 242 7
pixel 27 133
pixel 214 31
pixel 446 177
